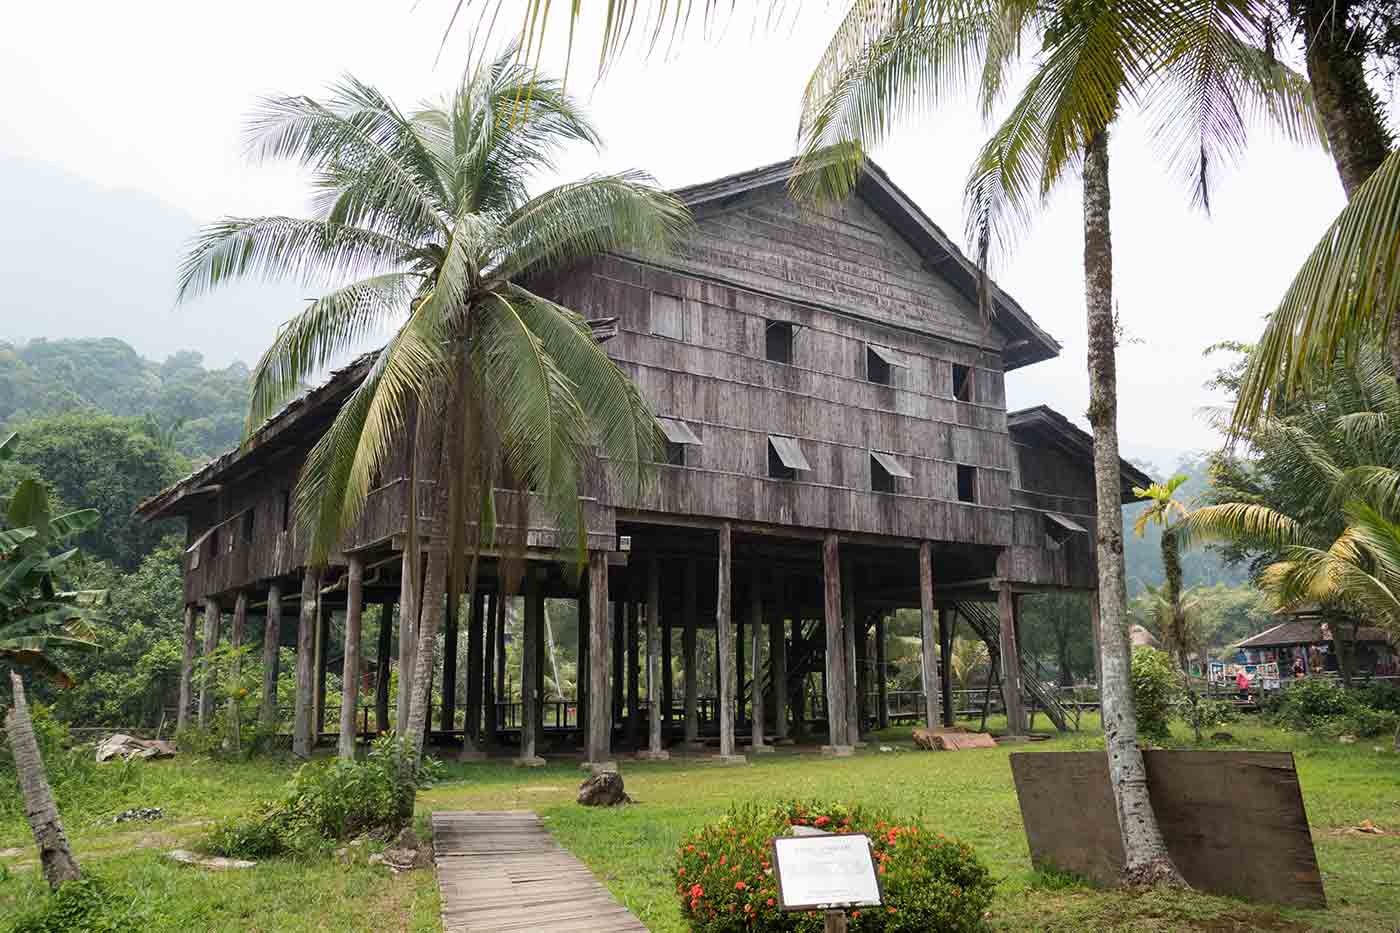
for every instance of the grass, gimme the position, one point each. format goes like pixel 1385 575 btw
pixel 968 795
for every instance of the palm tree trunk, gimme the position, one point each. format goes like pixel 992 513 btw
pixel 54 855
pixel 1146 861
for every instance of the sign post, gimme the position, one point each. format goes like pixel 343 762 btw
pixel 830 872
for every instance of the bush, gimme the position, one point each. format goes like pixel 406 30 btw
pixel 1155 690
pixel 1202 714
pixel 725 881
pixel 84 906
pixel 327 801
pixel 1327 708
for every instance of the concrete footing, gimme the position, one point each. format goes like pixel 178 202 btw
pixel 649 755
pixel 535 762
pixel 838 751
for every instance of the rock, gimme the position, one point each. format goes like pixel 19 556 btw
pixel 1222 737
pixel 217 863
pixel 886 748
pixel 1347 740
pixel 603 790
pixel 923 738
pixel 143 814
pixel 127 747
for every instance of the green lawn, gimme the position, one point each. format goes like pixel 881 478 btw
pixel 968 794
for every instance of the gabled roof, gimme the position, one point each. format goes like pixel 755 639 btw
pixel 1303 633
pixel 1051 428
pixel 1028 343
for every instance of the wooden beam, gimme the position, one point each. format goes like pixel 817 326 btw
pixel 777 665
pixel 382 662
pixel 488 680
pixel 302 741
pixel 232 738
pixel 667 668
pixel 688 649
pixel 471 722
pixel 756 635
pixel 409 589
pixel 634 674
pixel 1010 664
pixel 882 713
pixel 927 634
pixel 599 711
pixel 654 699
pixel 619 659
pixel 836 708
pixel 946 621
pixel 272 636
pixel 728 685
pixel 529 660
pixel 848 635
pixel 450 648
pixel 182 715
pixel 350 668
pixel 213 620
pixel 581 679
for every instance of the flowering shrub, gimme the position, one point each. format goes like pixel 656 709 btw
pixel 725 880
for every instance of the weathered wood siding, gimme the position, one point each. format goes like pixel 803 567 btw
pixel 1046 479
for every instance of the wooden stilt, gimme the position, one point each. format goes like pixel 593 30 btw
pixel 848 633
pixel 502 693
pixel 927 633
pixel 836 704
pixel 946 624
pixel 350 669
pixel 777 664
pixel 756 743
pixel 410 589
pixel 599 712
pixel 688 649
pixel 724 648
pixel 581 685
pixel 212 622
pixel 882 697
pixel 322 662
pixel 1010 663
pixel 471 722
pixel 529 663
pixel 272 636
pixel 1094 628
pixel 233 726
pixel 488 665
pixel 654 700
pixel 382 661
pixel 667 668
pixel 182 715
pixel 450 649
pixel 302 742
pixel 634 699
pixel 741 668
pixel 619 658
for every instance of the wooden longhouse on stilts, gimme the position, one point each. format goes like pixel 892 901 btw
pixel 838 447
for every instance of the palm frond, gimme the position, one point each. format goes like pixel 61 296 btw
pixel 1238 522
pixel 1345 293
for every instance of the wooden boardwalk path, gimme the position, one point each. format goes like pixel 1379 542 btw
pixel 503 871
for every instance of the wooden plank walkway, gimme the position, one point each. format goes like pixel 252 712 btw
pixel 503 871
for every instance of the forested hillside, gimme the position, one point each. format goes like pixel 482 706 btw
pixel 196 411
pixel 1143 556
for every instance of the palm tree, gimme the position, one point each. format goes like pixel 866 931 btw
pixel 1201 67
pixel 38 615
pixel 1164 511
pixel 429 216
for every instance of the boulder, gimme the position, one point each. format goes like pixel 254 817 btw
pixel 217 863
pixel 603 790
pixel 126 747
pixel 1222 737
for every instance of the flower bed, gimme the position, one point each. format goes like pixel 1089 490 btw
pixel 725 880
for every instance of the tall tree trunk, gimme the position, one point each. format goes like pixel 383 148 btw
pixel 1352 115
pixel 1171 565
pixel 54 855
pixel 1146 859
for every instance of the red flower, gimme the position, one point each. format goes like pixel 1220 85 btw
pixel 821 821
pixel 771 902
pixel 697 891
pixel 739 886
pixel 682 871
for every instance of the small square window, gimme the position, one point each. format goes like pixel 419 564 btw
pixel 967 483
pixel 778 342
pixel 675 453
pixel 962 383
pixel 877 369
pixel 881 479
pixel 667 318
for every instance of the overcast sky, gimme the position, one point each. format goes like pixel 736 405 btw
pixel 149 98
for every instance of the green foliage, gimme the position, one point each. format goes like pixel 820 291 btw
pixel 87 905
pixel 1156 686
pixel 724 879
pixel 105 463
pixel 80 785
pixel 327 801
pixel 1203 714
pixel 200 411
pixel 1325 707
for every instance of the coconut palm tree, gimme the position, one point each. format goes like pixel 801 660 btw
pixel 1164 511
pixel 429 217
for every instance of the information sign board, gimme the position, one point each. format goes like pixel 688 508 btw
pixel 825 872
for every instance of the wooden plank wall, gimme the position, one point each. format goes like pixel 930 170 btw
pixel 1046 479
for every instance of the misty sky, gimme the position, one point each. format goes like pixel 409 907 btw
pixel 121 131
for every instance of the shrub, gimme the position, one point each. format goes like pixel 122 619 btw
pixel 1155 690
pixel 84 906
pixel 1202 714
pixel 725 882
pixel 325 801
pixel 1327 708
